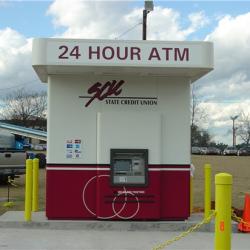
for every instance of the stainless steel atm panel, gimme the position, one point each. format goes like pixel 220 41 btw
pixel 129 167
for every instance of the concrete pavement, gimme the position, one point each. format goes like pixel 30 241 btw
pixel 41 234
pixel 48 239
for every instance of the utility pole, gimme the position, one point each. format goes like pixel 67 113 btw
pixel 148 6
pixel 233 118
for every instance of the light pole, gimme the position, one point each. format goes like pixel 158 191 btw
pixel 233 118
pixel 148 6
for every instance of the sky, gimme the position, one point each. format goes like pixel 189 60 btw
pixel 223 93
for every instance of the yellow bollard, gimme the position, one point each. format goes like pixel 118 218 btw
pixel 28 190
pixel 223 200
pixel 35 186
pixel 207 190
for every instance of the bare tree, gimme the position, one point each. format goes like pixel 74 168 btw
pixel 25 107
pixel 244 127
pixel 198 114
pixel 199 137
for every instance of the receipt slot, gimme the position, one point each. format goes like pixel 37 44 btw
pixel 129 167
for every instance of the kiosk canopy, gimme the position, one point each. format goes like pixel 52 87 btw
pixel 156 58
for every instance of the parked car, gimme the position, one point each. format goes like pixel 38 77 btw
pixel 213 151
pixel 203 150
pixel 244 151
pixel 196 150
pixel 39 147
pixel 230 151
pixel 12 158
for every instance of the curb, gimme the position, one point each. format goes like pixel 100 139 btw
pixel 15 220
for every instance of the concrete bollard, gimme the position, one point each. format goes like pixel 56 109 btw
pixel 207 190
pixel 223 200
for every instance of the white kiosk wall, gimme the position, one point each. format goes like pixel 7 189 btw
pixel 131 120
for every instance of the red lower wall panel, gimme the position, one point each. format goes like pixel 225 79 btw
pixel 84 192
pixel 175 195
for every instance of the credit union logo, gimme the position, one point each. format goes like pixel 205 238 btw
pixel 110 91
pixel 101 91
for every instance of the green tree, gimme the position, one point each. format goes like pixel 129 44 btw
pixel 200 138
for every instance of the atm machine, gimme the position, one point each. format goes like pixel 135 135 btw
pixel 129 167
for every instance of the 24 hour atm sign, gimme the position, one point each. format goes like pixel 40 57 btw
pixel 111 53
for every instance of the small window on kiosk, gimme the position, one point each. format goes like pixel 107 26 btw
pixel 129 167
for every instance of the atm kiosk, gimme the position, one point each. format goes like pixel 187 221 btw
pixel 119 126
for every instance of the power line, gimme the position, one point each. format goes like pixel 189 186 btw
pixel 127 31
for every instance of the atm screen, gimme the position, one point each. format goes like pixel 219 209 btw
pixel 122 165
